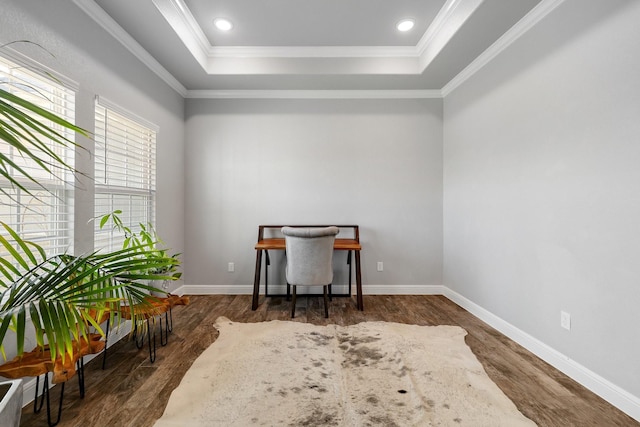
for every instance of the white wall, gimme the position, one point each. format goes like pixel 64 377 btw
pixel 74 46
pixel 375 163
pixel 541 186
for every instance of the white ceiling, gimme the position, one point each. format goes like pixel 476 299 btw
pixel 308 45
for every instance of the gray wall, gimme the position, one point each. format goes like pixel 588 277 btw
pixel 375 163
pixel 541 186
pixel 74 46
pixel 540 200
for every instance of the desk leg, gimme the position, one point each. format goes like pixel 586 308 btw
pixel 267 263
pixel 256 280
pixel 359 282
pixel 349 264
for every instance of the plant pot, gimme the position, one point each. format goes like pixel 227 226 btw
pixel 10 403
pixel 161 286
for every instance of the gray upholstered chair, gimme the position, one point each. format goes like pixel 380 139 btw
pixel 309 259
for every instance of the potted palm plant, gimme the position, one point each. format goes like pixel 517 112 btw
pixel 60 297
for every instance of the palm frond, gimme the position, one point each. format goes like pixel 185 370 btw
pixel 26 127
pixel 57 291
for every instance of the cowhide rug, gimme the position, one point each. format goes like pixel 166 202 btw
pixel 371 374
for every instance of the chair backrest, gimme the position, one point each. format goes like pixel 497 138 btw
pixel 309 254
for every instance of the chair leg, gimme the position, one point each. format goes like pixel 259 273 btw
pixel 288 291
pixel 326 301
pixel 293 302
pixel 330 298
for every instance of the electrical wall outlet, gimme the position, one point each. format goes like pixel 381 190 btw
pixel 565 320
pixel 380 266
pixel 231 267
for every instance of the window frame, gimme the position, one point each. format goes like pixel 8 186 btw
pixel 53 195
pixel 118 194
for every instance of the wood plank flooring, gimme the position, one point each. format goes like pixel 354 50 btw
pixel 133 392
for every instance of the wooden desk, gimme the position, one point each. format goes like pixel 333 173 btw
pixel 278 244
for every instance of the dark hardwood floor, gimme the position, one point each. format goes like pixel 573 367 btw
pixel 131 391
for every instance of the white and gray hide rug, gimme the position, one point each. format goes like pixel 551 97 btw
pixel 370 374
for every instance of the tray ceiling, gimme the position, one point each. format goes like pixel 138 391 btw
pixel 307 45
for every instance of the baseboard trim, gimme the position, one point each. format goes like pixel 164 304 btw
pixel 338 289
pixel 403 290
pixel 610 392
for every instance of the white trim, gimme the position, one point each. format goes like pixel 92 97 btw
pixel 610 392
pixel 189 31
pixel 539 12
pixel 313 52
pixel 366 290
pixel 215 290
pixel 96 13
pixel 181 11
pixel 448 21
pixel 446 24
pixel 438 22
pixel 402 290
pixel 40 69
pixel 314 94
pixel 103 102
pixel 180 19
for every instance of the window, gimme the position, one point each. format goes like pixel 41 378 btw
pixel 125 171
pixel 46 215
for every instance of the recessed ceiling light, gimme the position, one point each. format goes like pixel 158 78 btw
pixel 223 24
pixel 405 25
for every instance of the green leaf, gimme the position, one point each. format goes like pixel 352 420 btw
pixel 20 329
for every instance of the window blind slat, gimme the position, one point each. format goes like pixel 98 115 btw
pixel 125 173
pixel 47 216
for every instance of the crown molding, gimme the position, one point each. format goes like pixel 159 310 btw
pixel 435 26
pixel 446 24
pixel 313 94
pixel 180 19
pixel 313 51
pixel 544 8
pixel 96 13
pixel 188 30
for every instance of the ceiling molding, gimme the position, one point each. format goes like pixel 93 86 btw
pixel 544 8
pixel 313 51
pixel 445 25
pixel 313 94
pixel 180 19
pixel 96 13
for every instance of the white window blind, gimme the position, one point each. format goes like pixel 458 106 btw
pixel 45 216
pixel 125 171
